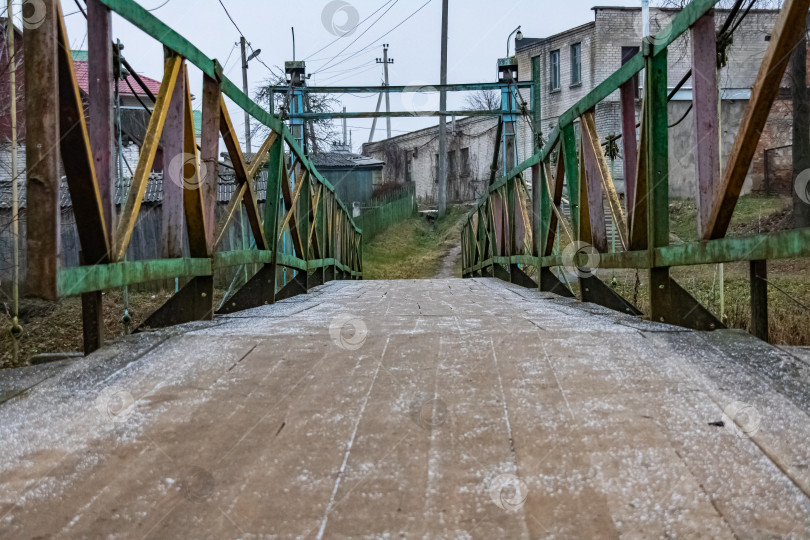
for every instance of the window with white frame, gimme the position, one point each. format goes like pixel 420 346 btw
pixel 554 70
pixel 576 64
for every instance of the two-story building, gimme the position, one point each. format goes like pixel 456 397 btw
pixel 575 61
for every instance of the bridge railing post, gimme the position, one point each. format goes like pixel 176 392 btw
pixel 656 152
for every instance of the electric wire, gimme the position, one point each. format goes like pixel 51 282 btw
pixel 376 41
pixel 358 37
pixel 350 31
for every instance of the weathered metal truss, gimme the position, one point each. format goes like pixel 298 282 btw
pixel 508 230
pixel 300 202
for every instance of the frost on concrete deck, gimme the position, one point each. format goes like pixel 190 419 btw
pixel 440 408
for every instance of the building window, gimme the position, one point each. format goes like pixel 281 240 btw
pixel 465 161
pixel 451 163
pixel 436 179
pixel 576 64
pixel 554 71
pixel 408 166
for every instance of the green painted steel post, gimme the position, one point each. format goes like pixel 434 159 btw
pixel 545 208
pixel 510 213
pixel 319 231
pixel 657 149
pixel 569 153
pixel 275 164
pixel 305 206
pixel 537 213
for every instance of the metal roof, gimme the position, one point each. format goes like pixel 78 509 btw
pixel 344 160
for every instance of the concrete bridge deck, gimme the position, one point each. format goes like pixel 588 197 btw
pixel 441 408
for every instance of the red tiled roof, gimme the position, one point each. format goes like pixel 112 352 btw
pixel 82 78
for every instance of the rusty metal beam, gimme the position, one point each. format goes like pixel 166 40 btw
pixel 175 165
pixel 132 206
pixel 594 153
pixel 209 153
pixel 193 200
pixel 241 171
pixel 706 120
pixel 792 21
pixel 42 154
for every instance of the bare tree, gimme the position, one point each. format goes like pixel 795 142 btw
pixel 320 134
pixel 483 100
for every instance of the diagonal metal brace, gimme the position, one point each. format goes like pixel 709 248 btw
pixel 550 283
pixel 258 291
pixel 294 287
pixel 683 310
pixel 194 302
pixel 595 291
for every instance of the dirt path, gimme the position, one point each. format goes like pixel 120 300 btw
pixel 448 262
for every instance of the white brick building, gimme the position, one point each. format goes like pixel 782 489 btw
pixel 413 157
pixel 614 34
pixel 573 63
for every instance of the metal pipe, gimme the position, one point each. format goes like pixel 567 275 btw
pixel 460 87
pixel 510 37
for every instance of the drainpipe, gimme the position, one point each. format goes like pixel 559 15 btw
pixel 645 18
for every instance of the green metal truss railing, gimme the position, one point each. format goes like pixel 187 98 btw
pixel 301 207
pixel 509 231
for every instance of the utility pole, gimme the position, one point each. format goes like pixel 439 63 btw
pixel 345 139
pixel 385 61
pixel 374 122
pixel 248 149
pixel 442 124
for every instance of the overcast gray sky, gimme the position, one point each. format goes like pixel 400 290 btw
pixel 477 37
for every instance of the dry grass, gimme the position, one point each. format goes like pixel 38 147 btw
pixel 414 248
pixel 56 327
pixel 789 290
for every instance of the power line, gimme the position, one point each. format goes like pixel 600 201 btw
pixel 233 22
pixel 349 32
pixel 374 43
pixel 343 77
pixel 243 35
pixel 358 37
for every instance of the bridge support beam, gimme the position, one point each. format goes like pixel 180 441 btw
pixel 194 302
pixel 595 291
pixel 315 278
pixel 258 291
pixel 519 277
pixel 550 283
pixel 294 287
pixel 674 304
pixel 759 299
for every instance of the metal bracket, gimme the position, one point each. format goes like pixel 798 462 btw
pixel 194 302
pixel 519 277
pixel 550 283
pixel 594 290
pixel 682 309
pixel 294 287
pixel 315 278
pixel 502 273
pixel 258 291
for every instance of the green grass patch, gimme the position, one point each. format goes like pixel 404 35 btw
pixel 752 214
pixel 413 248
